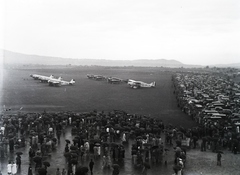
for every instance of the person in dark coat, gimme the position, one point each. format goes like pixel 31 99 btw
pixel 219 157
pixel 30 170
pixel 195 139
pixel 31 152
pixel 66 148
pixel 70 171
pixel 11 145
pixel 18 161
pixel 91 163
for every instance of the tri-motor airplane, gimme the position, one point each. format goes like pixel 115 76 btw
pixel 115 80
pixel 44 79
pixel 96 77
pixel 139 84
pixel 60 82
pixel 35 76
pixel 40 77
pixel 90 76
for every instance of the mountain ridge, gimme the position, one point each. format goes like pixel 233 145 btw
pixel 10 57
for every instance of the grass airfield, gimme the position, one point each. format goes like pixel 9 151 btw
pixel 20 90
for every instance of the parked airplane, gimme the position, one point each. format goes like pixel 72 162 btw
pixel 139 84
pixel 45 79
pixel 39 77
pixel 96 77
pixel 90 76
pixel 35 76
pixel 55 79
pixel 60 82
pixel 114 80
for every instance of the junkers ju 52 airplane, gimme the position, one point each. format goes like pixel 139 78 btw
pixel 96 77
pixel 139 84
pixel 35 76
pixel 115 80
pixel 60 82
pixel 41 77
pixel 45 79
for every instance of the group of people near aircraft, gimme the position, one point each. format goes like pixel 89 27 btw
pixel 51 80
pixel 99 135
pixel 114 80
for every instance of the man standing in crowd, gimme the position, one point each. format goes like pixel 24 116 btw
pixel 219 157
pixel 91 163
pixel 18 161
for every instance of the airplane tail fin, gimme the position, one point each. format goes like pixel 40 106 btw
pixel 72 82
pixel 51 76
pixel 60 78
pixel 153 84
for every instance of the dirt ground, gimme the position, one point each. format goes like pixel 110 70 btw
pixel 20 90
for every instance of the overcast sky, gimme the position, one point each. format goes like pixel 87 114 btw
pixel 190 31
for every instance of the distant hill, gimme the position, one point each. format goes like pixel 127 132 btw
pixel 9 57
pixel 24 59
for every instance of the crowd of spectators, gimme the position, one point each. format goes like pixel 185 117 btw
pixel 96 135
pixel 214 103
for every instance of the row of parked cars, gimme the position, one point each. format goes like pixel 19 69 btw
pixel 209 99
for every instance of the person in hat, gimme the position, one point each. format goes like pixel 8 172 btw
pixel 1 150
pixel 64 171
pixel 58 172
pixel 30 170
pixel 18 161
pixel 11 145
pixel 66 148
pixel 31 152
pixel 219 157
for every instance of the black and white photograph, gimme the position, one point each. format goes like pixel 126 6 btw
pixel 119 87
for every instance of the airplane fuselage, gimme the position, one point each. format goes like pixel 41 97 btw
pixel 42 78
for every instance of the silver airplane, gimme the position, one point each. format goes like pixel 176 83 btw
pixel 115 80
pixel 40 77
pixel 96 77
pixel 139 84
pixel 60 82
